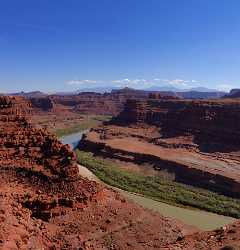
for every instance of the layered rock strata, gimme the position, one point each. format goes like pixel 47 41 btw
pixel 45 204
pixel 197 141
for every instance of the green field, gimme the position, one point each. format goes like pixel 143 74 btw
pixel 159 189
pixel 87 123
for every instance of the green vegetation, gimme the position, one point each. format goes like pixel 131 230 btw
pixel 195 217
pixel 87 123
pixel 159 189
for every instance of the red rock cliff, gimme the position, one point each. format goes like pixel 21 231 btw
pixel 210 122
pixel 197 141
pixel 45 204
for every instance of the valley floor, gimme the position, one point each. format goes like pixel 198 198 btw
pixel 194 217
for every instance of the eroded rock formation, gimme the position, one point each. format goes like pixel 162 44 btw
pixel 43 103
pixel 209 121
pixel 197 141
pixel 45 204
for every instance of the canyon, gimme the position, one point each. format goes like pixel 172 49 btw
pixel 196 141
pixel 109 103
pixel 46 203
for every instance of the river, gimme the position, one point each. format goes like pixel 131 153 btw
pixel 200 219
pixel 73 139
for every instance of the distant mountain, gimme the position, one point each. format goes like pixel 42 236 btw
pixel 140 93
pixel 127 90
pixel 102 89
pixel 201 95
pixel 194 93
pixel 163 88
pixel 32 94
pixel 63 93
pixel 234 93
pixel 203 89
pixel 191 91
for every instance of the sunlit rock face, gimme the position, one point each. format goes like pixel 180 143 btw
pixel 197 141
pixel 45 203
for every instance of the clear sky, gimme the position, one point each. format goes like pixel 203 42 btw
pixel 68 44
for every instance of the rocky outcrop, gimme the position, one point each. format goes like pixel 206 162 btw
pixel 90 103
pixel 107 103
pixel 226 238
pixel 103 104
pixel 23 145
pixel 212 123
pixel 234 93
pixel 44 203
pixel 186 167
pixel 196 141
pixel 42 103
pixel 15 106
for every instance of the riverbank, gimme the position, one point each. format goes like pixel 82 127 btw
pixel 199 219
pixel 73 139
pixel 158 188
pixel 87 123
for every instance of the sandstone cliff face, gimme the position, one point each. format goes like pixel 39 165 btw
pixel 107 103
pixel 42 103
pixel 14 106
pixel 210 122
pixel 197 141
pixel 44 203
pixel 90 103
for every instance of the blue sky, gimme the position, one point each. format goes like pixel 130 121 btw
pixel 55 45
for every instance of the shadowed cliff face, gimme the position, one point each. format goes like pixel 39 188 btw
pixel 43 103
pixel 5 102
pixel 215 125
pixel 91 103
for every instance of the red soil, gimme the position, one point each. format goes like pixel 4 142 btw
pixel 45 204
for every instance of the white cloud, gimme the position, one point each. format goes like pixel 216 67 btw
pixel 177 82
pixel 225 87
pixel 81 82
pixel 131 81
pixel 138 83
pixel 134 83
pixel 121 81
pixel 161 80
